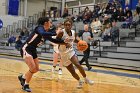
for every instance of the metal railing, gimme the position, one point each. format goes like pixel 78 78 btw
pixel 26 22
pixel 97 45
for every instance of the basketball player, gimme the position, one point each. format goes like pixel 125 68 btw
pixel 69 56
pixel 56 54
pixel 29 53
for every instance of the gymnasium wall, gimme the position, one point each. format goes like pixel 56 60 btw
pixel 35 6
pixel 9 20
pixel 3 7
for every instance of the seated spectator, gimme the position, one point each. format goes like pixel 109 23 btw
pixel 18 30
pixel 138 7
pixel 106 21
pixel 128 21
pixel 96 25
pixel 80 16
pixel 24 33
pixel 120 16
pixel 114 31
pixel 128 18
pixel 135 20
pixel 106 33
pixel 18 43
pixel 11 40
pixel 74 17
pixel 86 15
pixel 114 14
pixel 127 10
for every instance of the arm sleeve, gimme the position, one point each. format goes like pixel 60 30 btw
pixel 57 40
pixel 42 32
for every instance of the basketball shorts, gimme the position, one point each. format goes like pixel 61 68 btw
pixel 29 51
pixel 65 57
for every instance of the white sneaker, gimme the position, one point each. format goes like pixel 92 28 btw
pixel 90 82
pixel 60 72
pixel 80 84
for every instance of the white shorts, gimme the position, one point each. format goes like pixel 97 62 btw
pixel 65 57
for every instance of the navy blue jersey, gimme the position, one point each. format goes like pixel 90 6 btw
pixel 39 36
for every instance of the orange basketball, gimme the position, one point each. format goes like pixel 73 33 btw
pixel 82 45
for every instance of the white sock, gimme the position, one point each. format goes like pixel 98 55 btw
pixel 26 83
pixel 79 80
pixel 23 76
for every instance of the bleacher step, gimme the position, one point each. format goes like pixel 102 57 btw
pixel 127 56
pixel 117 63
pixel 128 50
pixel 133 44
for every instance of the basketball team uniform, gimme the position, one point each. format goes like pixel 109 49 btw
pixel 37 38
pixel 55 46
pixel 67 53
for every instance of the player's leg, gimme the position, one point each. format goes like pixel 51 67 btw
pixel 74 60
pixel 31 61
pixel 25 79
pixel 60 65
pixel 55 60
pixel 75 75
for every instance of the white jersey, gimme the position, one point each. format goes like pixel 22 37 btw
pixel 67 53
pixel 63 48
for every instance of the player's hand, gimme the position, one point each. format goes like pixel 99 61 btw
pixel 67 40
pixel 68 45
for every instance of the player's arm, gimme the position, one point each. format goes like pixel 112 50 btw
pixel 59 35
pixel 42 32
pixel 66 40
pixel 51 43
pixel 57 41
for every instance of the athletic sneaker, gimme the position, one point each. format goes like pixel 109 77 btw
pixel 80 84
pixel 89 68
pixel 60 72
pixel 90 82
pixel 22 80
pixel 26 88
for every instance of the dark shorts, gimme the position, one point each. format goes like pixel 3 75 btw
pixel 30 50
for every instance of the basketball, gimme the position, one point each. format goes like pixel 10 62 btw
pixel 82 45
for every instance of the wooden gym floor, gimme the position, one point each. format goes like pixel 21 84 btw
pixel 107 80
